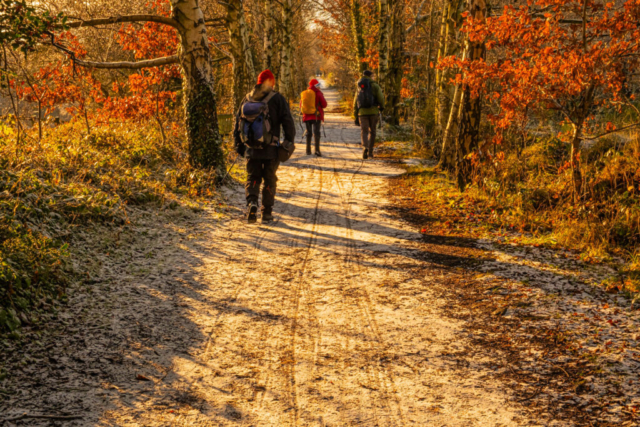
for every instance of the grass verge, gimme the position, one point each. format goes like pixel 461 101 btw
pixel 51 189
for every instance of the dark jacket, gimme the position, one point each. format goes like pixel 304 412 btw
pixel 379 101
pixel 279 117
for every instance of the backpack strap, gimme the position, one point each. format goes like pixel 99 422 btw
pixel 268 97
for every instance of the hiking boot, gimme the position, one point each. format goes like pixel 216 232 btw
pixel 318 153
pixel 267 215
pixel 308 151
pixel 365 153
pixel 252 213
pixel 370 152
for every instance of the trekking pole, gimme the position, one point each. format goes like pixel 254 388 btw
pixel 232 165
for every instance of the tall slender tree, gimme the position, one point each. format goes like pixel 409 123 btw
pixel 286 53
pixel 470 103
pixel 244 72
pixel 451 19
pixel 267 37
pixel 384 24
pixel 358 35
pixel 396 62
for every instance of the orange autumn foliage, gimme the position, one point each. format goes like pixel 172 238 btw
pixel 543 57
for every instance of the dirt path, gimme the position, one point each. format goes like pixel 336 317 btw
pixel 329 316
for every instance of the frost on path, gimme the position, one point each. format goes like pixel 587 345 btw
pixel 325 317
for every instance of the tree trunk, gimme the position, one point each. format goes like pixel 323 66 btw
pixel 267 41
pixel 244 72
pixel 470 113
pixel 201 118
pixel 576 175
pixel 448 155
pixel 580 116
pixel 383 44
pixel 39 120
pixel 285 83
pixel 451 18
pixel 396 64
pixel 358 36
pixel 430 46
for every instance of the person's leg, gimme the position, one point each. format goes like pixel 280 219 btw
pixel 373 123
pixel 316 133
pixel 364 130
pixel 252 187
pixel 270 187
pixel 309 134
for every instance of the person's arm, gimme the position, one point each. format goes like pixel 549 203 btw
pixel 379 96
pixel 323 101
pixel 288 124
pixel 236 129
pixel 237 140
pixel 355 106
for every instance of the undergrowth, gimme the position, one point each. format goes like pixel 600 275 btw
pixel 526 197
pixel 68 180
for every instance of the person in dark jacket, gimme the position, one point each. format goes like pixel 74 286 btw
pixel 367 118
pixel 314 121
pixel 262 164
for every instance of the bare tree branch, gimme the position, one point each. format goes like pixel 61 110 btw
pixel 591 138
pixel 129 65
pixel 126 18
pixel 419 18
pixel 174 59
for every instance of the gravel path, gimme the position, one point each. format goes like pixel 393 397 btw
pixel 329 316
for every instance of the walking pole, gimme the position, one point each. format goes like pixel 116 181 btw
pixel 234 163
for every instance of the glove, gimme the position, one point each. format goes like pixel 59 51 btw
pixel 357 122
pixel 240 149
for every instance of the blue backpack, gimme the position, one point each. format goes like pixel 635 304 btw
pixel 254 122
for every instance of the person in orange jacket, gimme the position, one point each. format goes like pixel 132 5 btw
pixel 314 121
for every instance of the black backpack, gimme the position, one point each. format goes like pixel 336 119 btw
pixel 365 94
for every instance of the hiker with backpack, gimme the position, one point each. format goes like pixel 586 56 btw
pixel 312 105
pixel 367 107
pixel 262 114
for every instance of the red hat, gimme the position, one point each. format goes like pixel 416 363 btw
pixel 313 82
pixel 266 75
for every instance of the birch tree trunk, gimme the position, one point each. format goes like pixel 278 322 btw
pixel 470 107
pixel 285 83
pixel 448 155
pixel 267 42
pixel 430 46
pixel 244 73
pixel 451 17
pixel 396 63
pixel 201 118
pixel 580 116
pixel 383 44
pixel 358 37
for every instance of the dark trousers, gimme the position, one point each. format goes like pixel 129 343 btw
pixel 368 125
pixel 259 170
pixel 313 128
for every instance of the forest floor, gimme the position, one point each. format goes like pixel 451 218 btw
pixel 341 312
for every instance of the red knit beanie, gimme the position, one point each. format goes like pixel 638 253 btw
pixel 313 82
pixel 266 75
